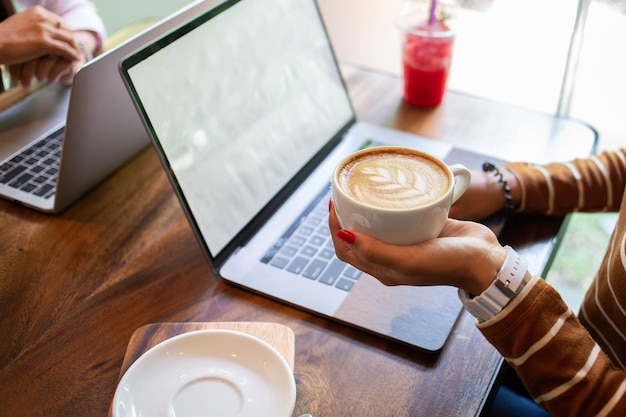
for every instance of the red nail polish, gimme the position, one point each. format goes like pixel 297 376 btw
pixel 346 236
pixel 330 204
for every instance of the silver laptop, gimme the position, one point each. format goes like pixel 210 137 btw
pixel 248 111
pixel 59 142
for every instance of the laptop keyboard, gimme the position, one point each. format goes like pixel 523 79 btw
pixel 35 170
pixel 306 249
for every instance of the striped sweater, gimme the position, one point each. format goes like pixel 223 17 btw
pixel 572 365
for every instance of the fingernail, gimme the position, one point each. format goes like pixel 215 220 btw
pixel 346 236
pixel 330 203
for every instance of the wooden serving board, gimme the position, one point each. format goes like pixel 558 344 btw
pixel 279 336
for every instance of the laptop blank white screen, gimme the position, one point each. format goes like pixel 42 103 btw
pixel 239 105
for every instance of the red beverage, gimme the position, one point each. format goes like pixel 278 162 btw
pixel 427 56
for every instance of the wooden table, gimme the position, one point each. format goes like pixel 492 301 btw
pixel 74 287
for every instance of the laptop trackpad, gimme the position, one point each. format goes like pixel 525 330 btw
pixel 419 316
pixel 33 118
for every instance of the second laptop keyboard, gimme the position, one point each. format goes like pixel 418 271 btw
pixel 35 170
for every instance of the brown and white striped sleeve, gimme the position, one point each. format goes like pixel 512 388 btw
pixel 572 365
pixel 591 185
pixel 562 366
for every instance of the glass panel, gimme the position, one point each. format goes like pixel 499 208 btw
pixel 599 98
pixel 599 90
pixel 512 51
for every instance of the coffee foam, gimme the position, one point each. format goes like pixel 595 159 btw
pixel 394 179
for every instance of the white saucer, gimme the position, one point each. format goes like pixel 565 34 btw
pixel 218 373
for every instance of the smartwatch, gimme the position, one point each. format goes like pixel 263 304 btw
pixel 505 287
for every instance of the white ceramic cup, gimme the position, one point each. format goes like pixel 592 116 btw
pixel 398 195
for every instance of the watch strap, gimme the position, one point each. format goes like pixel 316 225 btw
pixel 86 52
pixel 505 287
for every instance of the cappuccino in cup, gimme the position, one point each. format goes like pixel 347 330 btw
pixel 398 195
pixel 394 178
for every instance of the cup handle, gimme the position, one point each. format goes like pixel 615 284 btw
pixel 462 177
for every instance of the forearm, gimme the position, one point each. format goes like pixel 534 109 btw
pixel 563 368
pixel 590 184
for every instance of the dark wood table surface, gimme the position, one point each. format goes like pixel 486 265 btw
pixel 74 287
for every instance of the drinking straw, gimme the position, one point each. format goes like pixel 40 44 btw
pixel 433 8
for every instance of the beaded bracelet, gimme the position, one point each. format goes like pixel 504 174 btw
pixel 508 203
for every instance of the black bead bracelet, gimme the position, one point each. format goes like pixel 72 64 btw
pixel 508 199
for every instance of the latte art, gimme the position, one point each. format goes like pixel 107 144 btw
pixel 396 194
pixel 394 179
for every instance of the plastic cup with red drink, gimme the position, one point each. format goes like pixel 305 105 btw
pixel 427 55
